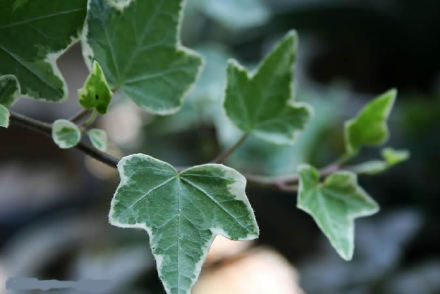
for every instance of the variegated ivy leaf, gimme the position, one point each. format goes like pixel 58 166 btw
pixel 136 42
pixel 182 213
pixel 391 157
pixel 33 35
pixel 65 134
pixel 96 92
pixel 98 138
pixel 9 90
pixel 260 103
pixel 4 117
pixel 334 205
pixel 369 127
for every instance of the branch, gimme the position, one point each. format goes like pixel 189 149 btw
pixel 46 129
pixel 290 183
pixel 224 155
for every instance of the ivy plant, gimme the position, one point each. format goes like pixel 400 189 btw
pixel 133 47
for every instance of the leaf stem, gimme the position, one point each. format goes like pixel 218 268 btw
pixel 80 115
pixel 290 183
pixel 225 154
pixel 46 129
pixel 91 120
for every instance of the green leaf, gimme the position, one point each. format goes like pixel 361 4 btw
pixel 9 90
pixel 259 103
pixel 33 35
pixel 4 117
pixel 182 213
pixel 369 127
pixel 393 157
pixel 372 167
pixel 334 205
pixel 136 43
pixel 95 93
pixel 65 134
pixel 98 138
pixel 237 14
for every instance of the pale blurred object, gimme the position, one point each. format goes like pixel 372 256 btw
pixel 260 271
pixel 223 248
pixel 237 14
pixel 28 185
pixel 123 123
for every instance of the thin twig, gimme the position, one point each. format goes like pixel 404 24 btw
pixel 224 155
pixel 287 183
pixel 290 183
pixel 80 115
pixel 46 129
pixel 90 121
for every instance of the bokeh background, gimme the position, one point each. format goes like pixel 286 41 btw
pixel 54 203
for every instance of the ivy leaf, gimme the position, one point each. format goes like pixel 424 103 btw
pixel 65 134
pixel 136 43
pixel 369 127
pixel 9 90
pixel 334 205
pixel 33 35
pixel 372 167
pixel 98 138
pixel 4 117
pixel 391 158
pixel 182 213
pixel 96 92
pixel 259 103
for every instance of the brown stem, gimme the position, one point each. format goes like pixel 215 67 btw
pixel 224 155
pixel 290 183
pixel 46 129
pixel 80 115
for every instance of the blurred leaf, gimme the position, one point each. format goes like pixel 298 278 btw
pixel 182 213
pixel 34 34
pixel 4 117
pixel 259 103
pixel 237 14
pixel 148 65
pixel 95 93
pixel 98 138
pixel 65 134
pixel 369 127
pixel 334 205
pixel 422 278
pixel 9 90
pixel 391 158
pixel 371 167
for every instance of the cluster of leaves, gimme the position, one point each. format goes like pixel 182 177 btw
pixel 133 46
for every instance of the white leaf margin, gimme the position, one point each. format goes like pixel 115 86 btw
pixel 59 125
pixel 237 189
pixel 120 5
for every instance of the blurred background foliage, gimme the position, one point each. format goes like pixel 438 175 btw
pixel 54 204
